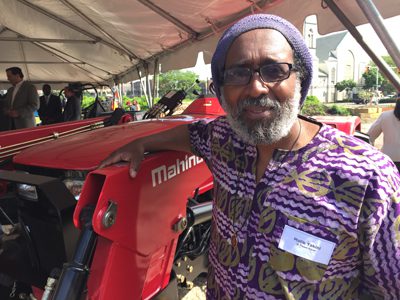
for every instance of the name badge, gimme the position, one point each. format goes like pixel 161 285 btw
pixel 306 245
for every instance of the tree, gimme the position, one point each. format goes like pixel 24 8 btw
pixel 313 107
pixel 345 84
pixel 177 80
pixel 365 95
pixel 387 87
pixel 371 73
pixel 370 76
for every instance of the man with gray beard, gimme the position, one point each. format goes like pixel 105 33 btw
pixel 263 131
pixel 301 210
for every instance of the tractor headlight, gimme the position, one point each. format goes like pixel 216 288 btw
pixel 74 186
pixel 74 181
pixel 27 191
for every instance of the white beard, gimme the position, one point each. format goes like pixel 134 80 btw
pixel 267 130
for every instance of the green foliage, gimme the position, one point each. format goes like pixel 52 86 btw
pixel 370 77
pixel 313 107
pixel 312 99
pixel 345 84
pixel 388 100
pixel 127 101
pixel 365 95
pixel 187 102
pixel 177 80
pixel 387 87
pixel 338 110
pixel 87 100
pixel 143 102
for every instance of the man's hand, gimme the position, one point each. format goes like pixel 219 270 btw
pixel 176 139
pixel 132 152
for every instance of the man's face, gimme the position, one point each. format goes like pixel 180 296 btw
pixel 67 92
pixel 13 79
pixel 46 90
pixel 261 112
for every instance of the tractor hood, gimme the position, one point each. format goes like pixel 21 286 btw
pixel 85 151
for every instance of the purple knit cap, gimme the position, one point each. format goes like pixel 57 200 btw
pixel 258 21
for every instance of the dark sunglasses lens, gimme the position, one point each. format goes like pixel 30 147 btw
pixel 275 72
pixel 237 76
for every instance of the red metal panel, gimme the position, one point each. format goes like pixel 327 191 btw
pixel 148 207
pixel 347 124
pixel 11 137
pixel 116 272
pixel 85 150
pixel 205 106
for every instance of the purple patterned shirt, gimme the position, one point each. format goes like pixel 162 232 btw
pixel 338 201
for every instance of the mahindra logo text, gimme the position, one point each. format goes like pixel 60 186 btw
pixel 164 173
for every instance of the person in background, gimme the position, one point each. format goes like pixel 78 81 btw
pixel 72 109
pixel 50 110
pixel 388 123
pixel 4 118
pixel 21 101
pixel 135 108
pixel 301 210
pixel 374 98
pixel 130 106
pixel 135 105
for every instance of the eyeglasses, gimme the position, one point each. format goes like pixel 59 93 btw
pixel 269 73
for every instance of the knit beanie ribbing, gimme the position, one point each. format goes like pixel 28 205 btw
pixel 258 21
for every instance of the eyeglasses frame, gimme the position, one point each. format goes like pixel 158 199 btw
pixel 258 70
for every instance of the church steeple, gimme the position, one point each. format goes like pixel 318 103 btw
pixel 310 32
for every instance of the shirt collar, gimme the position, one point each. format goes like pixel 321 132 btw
pixel 19 83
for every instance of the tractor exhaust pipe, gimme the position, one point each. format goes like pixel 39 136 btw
pixel 199 213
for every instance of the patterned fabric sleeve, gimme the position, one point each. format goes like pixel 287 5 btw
pixel 200 139
pixel 380 239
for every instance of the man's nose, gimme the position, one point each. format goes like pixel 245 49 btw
pixel 257 86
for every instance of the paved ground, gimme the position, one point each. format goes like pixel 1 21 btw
pixel 198 292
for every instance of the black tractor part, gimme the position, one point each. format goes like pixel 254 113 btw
pixel 166 105
pixel 44 237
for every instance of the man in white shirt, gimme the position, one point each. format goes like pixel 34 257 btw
pixel 21 100
pixel 388 123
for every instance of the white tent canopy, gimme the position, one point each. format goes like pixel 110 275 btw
pixel 107 41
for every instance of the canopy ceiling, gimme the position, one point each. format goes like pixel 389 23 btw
pixel 106 41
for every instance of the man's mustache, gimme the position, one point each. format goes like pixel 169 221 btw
pixel 262 101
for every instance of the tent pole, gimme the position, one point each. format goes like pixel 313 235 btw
pixel 143 87
pixel 376 20
pixel 148 86
pixel 155 78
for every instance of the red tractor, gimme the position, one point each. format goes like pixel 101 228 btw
pixel 137 237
